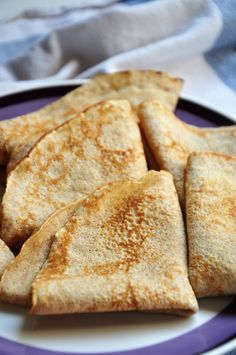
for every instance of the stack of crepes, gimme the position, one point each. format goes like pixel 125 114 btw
pixel 96 230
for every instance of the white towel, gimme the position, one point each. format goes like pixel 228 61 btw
pixel 38 46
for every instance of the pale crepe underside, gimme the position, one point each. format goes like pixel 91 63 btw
pixel 100 145
pixel 211 223
pixel 172 140
pixel 5 256
pixel 116 253
pixel 17 136
pixel 16 282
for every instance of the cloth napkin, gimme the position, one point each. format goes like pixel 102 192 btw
pixel 193 39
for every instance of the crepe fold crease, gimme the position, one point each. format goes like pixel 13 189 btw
pixel 17 136
pixel 100 145
pixel 6 256
pixel 211 223
pixel 17 278
pixel 116 253
pixel 171 140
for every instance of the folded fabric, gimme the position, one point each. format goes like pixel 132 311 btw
pixel 38 44
pixel 69 42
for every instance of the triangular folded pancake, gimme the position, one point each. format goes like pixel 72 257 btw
pixel 172 140
pixel 100 145
pixel 16 282
pixel 211 223
pixel 18 135
pixel 124 249
pixel 5 256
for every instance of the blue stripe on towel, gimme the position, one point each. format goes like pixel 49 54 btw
pixel 11 50
pixel 223 57
pixel 134 2
pixel 224 63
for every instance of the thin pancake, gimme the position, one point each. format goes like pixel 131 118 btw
pixel 116 253
pixel 16 282
pixel 6 256
pixel 211 223
pixel 17 136
pixel 172 140
pixel 100 145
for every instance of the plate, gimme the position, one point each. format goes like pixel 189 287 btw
pixel 124 333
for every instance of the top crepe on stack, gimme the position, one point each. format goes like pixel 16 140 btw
pixel 116 253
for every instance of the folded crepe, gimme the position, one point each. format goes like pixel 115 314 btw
pixel 211 223
pixel 100 145
pixel 16 282
pixel 5 256
pixel 172 140
pixel 18 135
pixel 116 253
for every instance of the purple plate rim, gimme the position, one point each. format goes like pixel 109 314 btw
pixel 216 331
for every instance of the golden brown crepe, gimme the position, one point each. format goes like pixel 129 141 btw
pixel 211 223
pixel 116 253
pixel 16 282
pixel 100 145
pixel 5 256
pixel 172 140
pixel 18 135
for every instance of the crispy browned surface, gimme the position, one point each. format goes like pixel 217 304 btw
pixel 172 140
pixel 16 282
pixel 5 256
pixel 116 253
pixel 211 223
pixel 18 135
pixel 100 145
